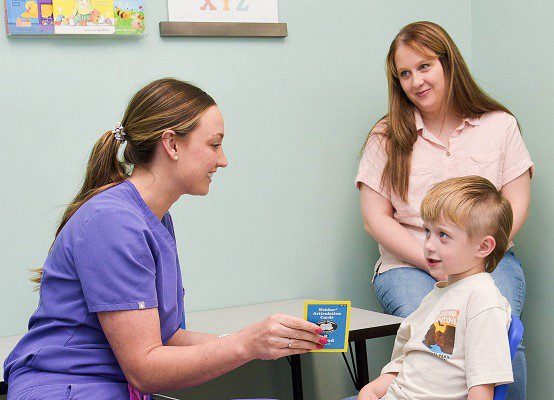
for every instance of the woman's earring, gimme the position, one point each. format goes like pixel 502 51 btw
pixel 176 157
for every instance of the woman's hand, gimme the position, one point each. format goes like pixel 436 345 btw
pixel 377 213
pixel 437 275
pixel 151 367
pixel 279 336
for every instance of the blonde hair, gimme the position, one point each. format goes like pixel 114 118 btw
pixel 165 104
pixel 472 203
pixel 463 96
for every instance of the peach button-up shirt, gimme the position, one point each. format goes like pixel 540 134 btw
pixel 490 146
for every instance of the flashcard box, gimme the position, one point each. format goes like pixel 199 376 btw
pixel 88 17
pixel 334 318
pixel 129 17
pixel 29 17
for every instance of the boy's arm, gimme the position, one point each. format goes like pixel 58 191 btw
pixel 376 389
pixel 481 392
pixel 487 351
pixel 397 357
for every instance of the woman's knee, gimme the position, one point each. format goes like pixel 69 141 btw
pixel 401 290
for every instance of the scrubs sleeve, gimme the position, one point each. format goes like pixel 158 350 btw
pixel 114 260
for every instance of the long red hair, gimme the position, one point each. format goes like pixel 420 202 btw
pixel 463 96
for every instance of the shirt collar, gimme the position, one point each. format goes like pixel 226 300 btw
pixel 420 126
pixel 472 121
pixel 418 121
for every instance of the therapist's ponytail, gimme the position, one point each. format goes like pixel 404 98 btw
pixel 165 104
pixel 104 170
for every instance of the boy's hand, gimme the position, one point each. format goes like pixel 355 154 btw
pixel 369 396
pixel 367 393
pixel 376 389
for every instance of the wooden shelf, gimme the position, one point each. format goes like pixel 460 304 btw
pixel 223 29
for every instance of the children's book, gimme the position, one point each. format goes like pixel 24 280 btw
pixel 334 318
pixel 48 17
pixel 129 17
pixel 29 17
pixel 84 17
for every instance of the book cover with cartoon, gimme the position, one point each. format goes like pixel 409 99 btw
pixel 129 17
pixel 441 336
pixel 84 17
pixel 29 17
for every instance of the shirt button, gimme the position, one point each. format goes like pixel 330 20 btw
pixel 448 154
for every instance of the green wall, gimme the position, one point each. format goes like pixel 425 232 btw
pixel 282 221
pixel 513 56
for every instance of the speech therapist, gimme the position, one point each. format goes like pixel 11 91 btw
pixel 111 297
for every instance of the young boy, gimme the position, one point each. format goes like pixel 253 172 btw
pixel 455 345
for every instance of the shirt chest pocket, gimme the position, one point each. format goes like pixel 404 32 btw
pixel 487 165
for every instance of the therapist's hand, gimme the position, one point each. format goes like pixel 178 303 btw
pixel 279 336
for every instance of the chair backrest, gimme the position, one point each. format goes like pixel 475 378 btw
pixel 515 335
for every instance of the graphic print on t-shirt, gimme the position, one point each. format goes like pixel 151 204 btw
pixel 441 335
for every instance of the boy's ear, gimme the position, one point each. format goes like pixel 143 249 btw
pixel 486 247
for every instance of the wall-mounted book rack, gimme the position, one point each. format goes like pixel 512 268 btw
pixel 223 29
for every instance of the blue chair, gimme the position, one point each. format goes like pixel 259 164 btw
pixel 515 335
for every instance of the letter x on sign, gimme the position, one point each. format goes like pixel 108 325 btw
pixel 208 3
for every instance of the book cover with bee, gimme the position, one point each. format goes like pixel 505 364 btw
pixel 94 17
pixel 29 17
pixel 129 17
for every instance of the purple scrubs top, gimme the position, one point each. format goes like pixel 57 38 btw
pixel 113 254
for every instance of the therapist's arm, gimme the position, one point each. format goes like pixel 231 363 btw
pixel 189 338
pixel 151 367
pixel 377 213
pixel 518 193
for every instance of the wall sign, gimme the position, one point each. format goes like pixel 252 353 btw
pixel 266 11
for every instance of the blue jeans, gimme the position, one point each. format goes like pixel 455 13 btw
pixel 401 299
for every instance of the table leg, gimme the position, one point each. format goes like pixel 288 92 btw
pixel 3 388
pixel 296 370
pixel 362 373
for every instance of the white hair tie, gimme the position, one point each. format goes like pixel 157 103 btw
pixel 119 133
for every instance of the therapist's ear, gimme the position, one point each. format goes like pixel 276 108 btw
pixel 169 144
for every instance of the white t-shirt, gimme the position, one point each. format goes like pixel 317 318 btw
pixel 456 339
